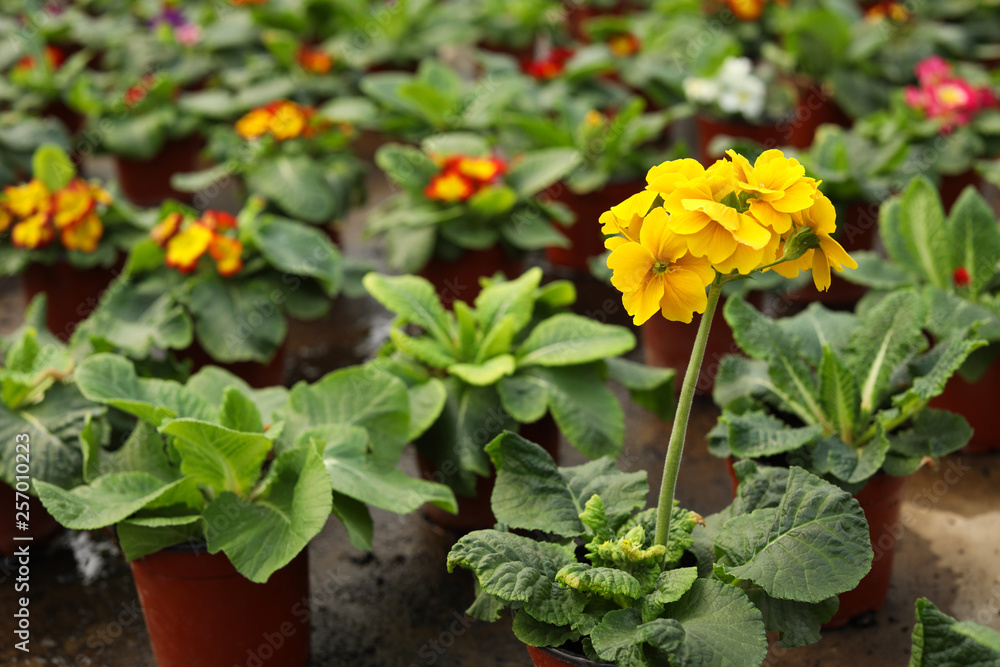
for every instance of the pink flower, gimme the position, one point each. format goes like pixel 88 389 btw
pixel 187 34
pixel 946 98
pixel 932 71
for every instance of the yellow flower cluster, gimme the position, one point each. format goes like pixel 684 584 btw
pixel 281 119
pixel 186 240
pixel 34 215
pixel 690 223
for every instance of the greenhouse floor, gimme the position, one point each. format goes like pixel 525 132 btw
pixel 399 607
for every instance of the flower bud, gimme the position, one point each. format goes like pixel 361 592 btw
pixel 796 245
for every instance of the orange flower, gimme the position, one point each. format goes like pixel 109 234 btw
pixel 449 186
pixel 254 124
pixel 219 220
pixel 187 247
pixel 750 10
pixel 481 169
pixel 624 45
pixel 316 61
pixel 23 200
pixel 166 229
pixel 52 56
pixel 288 120
pixel 84 234
pixel 33 232
pixel 72 204
pixel 228 255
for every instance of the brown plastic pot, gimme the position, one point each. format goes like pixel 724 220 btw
pixel 977 402
pixel 881 500
pixel 475 513
pixel 201 612
pixel 553 657
pixel 147 182
pixel 585 236
pixel 256 374
pixel 72 293
pixel 71 120
pixel 951 186
pixel 41 525
pixel 668 344
pixel 459 280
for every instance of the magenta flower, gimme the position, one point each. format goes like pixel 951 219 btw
pixel 945 97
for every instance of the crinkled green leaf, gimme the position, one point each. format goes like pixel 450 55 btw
pixel 652 388
pixel 486 373
pixel 567 339
pixel 839 393
pixel 670 587
pixel 607 582
pixel 427 400
pixel 414 300
pixel 236 319
pixel 514 298
pixel 939 640
pixel 798 622
pixel 851 464
pixel 975 239
pixel 141 536
pixel 923 232
pixel 239 412
pixel 106 501
pixel 758 434
pixel 524 397
pixel 620 636
pixel 219 457
pixel 535 633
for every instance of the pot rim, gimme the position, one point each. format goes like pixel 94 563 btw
pixel 571 658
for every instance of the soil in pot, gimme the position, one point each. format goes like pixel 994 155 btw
pixel 458 280
pixel 256 374
pixel 41 525
pixel 72 293
pixel 977 402
pixel 474 513
pixel 550 657
pixel 881 499
pixel 585 236
pixel 147 182
pixel 201 612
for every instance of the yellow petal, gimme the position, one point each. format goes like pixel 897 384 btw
pixel 821 272
pixel 630 263
pixel 797 197
pixel 643 302
pixel 835 253
pixel 656 236
pixel 683 295
pixel 715 242
pixel 764 212
pixel 700 266
pixel 672 172
pixel 613 242
pixel 791 269
pixel 751 232
pixel 683 221
pixel 744 259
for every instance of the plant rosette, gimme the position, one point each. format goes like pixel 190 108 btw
pixel 939 639
pixel 41 76
pixel 951 117
pixel 229 283
pixel 590 579
pixel 510 360
pixel 456 195
pixel 274 464
pixel 290 155
pixel 21 134
pixel 59 217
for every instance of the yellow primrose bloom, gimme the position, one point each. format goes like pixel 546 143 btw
pixel 777 185
pixel 822 218
pixel 228 255
pixel 254 124
pixel 665 177
pixel 99 194
pixel 288 121
pixel 5 220
pixel 72 204
pixel 84 235
pixel 657 273
pixel 23 200
pixel 626 219
pixel 33 232
pixel 166 229
pixel 186 248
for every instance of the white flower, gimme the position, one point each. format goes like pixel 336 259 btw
pixel 745 97
pixel 704 91
pixel 735 70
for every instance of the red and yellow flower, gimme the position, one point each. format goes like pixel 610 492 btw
pixel 462 176
pixel 34 215
pixel 52 56
pixel 187 239
pixel 314 60
pixel 282 119
pixel 624 45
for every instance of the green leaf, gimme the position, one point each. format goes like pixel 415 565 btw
pixel 427 400
pixel 939 640
pixel 948 356
pixel 587 412
pixel 212 384
pixel 112 380
pixel 239 412
pixel 424 349
pixel 52 167
pixel 519 569
pixel 354 474
pixel 535 633
pixel 357 520
pixel 414 300
pixel 923 231
pixel 798 622
pixel 105 502
pixel 851 464
pixel 484 374
pixel 567 339
pixel 407 166
pixel 933 433
pixel 514 298
pixel 141 536
pixel 532 493
pixel 817 327
pixel 493 201
pixel 218 457
pixel 652 388
pixel 523 397
pixel 296 184
pixel 839 393
pixel 875 272
pixel 812 546
pixel 540 169
pixel 298 250
pixel 670 587
pixel 975 239
pixel 620 636
pixel 758 434
pixel 741 378
pixel 264 536
pixel 606 582
pixel 236 319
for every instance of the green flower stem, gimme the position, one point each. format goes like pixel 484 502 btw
pixel 672 464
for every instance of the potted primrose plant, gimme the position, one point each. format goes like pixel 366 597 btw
pixel 463 211
pixel 594 577
pixel 939 639
pixel 509 362
pixel 40 79
pixel 215 288
pixel 844 396
pixel 218 489
pixel 65 236
pixel 953 262
pixel 286 153
pixel 20 136
pixel 42 415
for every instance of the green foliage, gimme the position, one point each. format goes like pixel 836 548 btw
pixel 775 560
pixel 843 395
pixel 939 639
pixel 511 359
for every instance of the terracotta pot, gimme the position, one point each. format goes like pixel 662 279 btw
pixel 552 657
pixel 71 120
pixel 147 182
pixel 951 186
pixel 475 513
pixel 201 612
pixel 668 344
pixel 585 236
pixel 977 402
pixel 256 374
pixel 41 525
pixel 72 293
pixel 881 500
pixel 459 280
